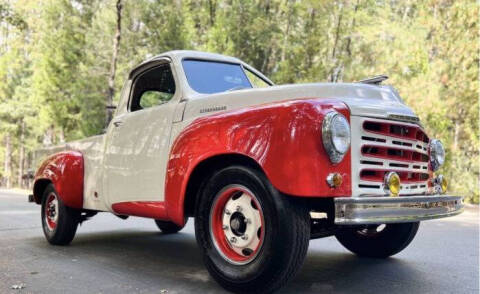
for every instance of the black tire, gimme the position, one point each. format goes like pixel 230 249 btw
pixel 168 227
pixel 286 227
pixel 66 223
pixel 368 242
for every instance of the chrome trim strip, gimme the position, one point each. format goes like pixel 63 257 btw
pixel 391 117
pixel 382 210
pixel 404 118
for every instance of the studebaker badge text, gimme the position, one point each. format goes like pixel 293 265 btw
pixel 211 109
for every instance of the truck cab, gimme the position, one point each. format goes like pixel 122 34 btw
pixel 261 168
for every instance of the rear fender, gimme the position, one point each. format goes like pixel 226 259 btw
pixel 65 171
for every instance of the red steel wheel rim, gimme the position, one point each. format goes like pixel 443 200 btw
pixel 51 211
pixel 237 224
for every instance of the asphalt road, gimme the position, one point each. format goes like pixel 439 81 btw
pixel 110 255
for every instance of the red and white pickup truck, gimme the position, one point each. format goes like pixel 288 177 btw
pixel 262 168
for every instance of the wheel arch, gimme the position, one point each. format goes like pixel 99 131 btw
pixel 205 169
pixel 39 188
pixel 65 170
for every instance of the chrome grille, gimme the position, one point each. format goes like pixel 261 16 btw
pixel 380 146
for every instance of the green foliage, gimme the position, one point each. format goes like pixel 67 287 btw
pixel 55 58
pixel 9 16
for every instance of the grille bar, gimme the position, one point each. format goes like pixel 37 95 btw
pixel 393 153
pixel 398 130
pixel 377 175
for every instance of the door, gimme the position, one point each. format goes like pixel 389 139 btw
pixel 137 143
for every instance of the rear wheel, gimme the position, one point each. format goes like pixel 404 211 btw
pixel 253 238
pixel 168 227
pixel 59 222
pixel 379 241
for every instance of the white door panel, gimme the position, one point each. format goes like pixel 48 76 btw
pixel 136 154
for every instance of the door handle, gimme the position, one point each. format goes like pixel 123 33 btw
pixel 117 123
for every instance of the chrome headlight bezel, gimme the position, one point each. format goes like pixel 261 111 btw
pixel 437 154
pixel 335 151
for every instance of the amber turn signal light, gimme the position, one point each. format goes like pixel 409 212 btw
pixel 334 180
pixel 441 184
pixel 392 183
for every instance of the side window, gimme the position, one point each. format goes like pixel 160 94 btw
pixel 255 80
pixel 153 87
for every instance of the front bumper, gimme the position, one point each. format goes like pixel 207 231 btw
pixel 383 210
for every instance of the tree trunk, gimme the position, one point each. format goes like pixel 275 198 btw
pixel 352 30
pixel 113 64
pixel 21 156
pixel 61 136
pixel 406 12
pixel 336 70
pixel 8 161
pixel 212 8
pixel 286 33
pixel 337 33
pixel 456 135
pixel 49 136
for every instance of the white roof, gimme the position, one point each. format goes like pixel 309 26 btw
pixel 182 54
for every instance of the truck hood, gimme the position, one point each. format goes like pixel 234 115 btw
pixel 362 99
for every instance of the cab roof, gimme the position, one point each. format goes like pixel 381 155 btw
pixel 179 55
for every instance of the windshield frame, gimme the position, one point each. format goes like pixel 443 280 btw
pixel 254 72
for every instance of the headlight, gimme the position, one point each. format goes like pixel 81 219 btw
pixel 336 136
pixel 437 154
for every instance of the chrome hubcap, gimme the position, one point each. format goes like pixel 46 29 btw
pixel 236 224
pixel 242 228
pixel 51 211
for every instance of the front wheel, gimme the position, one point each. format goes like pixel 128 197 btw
pixel 254 239
pixel 59 222
pixel 378 241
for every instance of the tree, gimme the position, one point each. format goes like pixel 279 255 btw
pixel 59 68
pixel 113 63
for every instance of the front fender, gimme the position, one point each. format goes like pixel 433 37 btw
pixel 65 170
pixel 284 138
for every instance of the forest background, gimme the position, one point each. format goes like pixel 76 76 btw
pixel 63 61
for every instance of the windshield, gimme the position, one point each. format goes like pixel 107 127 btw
pixel 213 77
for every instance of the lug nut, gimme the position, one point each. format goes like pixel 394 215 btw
pixel 245 237
pixel 227 212
pixel 239 209
pixel 225 227
pixel 248 221
pixel 233 240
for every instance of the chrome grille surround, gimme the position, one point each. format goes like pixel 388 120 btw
pixel 367 162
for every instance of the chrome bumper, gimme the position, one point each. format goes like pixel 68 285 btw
pixel 382 210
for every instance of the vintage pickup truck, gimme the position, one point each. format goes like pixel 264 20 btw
pixel 262 168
